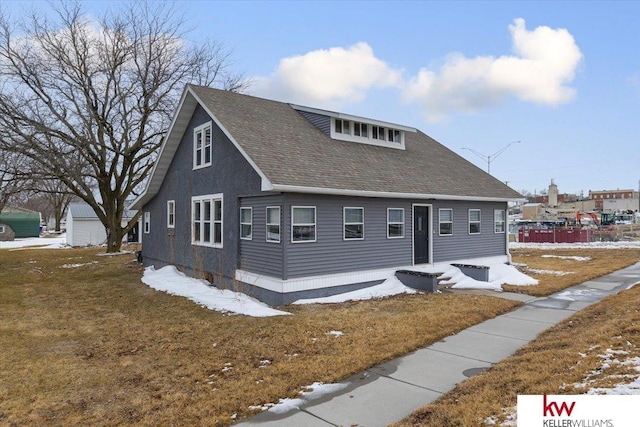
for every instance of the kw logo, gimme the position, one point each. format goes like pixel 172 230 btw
pixel 548 408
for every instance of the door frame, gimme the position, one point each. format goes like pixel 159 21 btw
pixel 413 233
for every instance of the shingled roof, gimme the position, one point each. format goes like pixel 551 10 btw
pixel 291 154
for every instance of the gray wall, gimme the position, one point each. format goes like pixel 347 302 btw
pixel 332 254
pixel 321 122
pixel 257 255
pixel 229 174
pixel 461 244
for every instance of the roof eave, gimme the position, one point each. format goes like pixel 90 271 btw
pixel 390 195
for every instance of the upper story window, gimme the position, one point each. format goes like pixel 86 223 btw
pixel 361 129
pixel 474 221
pixel 202 146
pixel 343 126
pixel 393 135
pixel 377 132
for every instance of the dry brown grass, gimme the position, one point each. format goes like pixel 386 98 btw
pixel 602 261
pixel 92 345
pixel 570 353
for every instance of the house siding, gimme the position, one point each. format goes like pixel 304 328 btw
pixel 331 253
pixel 257 255
pixel 462 245
pixel 229 174
pixel 318 120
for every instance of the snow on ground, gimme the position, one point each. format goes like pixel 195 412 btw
pixel 391 286
pixel 169 279
pixel 574 258
pixel 499 274
pixel 316 391
pixel 39 242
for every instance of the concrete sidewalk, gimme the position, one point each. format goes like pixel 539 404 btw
pixel 391 391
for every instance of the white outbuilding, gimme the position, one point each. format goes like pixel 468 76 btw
pixel 85 229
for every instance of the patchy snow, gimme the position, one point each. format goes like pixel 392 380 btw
pixel 574 258
pixel 59 242
pixel 77 265
pixel 499 274
pixel 169 279
pixel 335 333
pixel 391 286
pixel 317 390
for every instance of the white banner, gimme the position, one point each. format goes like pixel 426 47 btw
pixel 578 410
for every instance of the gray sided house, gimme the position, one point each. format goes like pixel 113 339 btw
pixel 288 202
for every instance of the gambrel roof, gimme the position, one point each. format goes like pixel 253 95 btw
pixel 293 155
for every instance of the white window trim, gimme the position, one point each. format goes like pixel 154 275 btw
pixel 504 221
pixel 250 236
pixel 369 139
pixel 315 224
pixel 147 222
pixel 212 198
pixel 267 224
pixel 2 229
pixel 197 130
pixel 171 212
pixel 479 222
pixel 392 223
pixel 445 222
pixel 345 223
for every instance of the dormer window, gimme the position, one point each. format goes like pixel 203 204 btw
pixel 343 126
pixel 360 129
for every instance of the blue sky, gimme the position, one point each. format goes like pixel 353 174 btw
pixel 561 77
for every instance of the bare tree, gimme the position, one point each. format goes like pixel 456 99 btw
pixel 47 195
pixel 90 102
pixel 12 177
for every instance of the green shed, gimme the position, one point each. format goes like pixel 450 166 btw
pixel 25 223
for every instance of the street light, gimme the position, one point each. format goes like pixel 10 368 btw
pixel 492 157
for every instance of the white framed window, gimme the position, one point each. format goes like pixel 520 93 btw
pixel 395 223
pixel 474 221
pixel 393 135
pixel 445 221
pixel 246 223
pixel 206 220
pixel 273 224
pixel 1 229
pixel 343 126
pixel 498 221
pixel 303 224
pixel 353 223
pixel 171 214
pixel 377 132
pixel 202 146
pixel 361 129
pixel 147 222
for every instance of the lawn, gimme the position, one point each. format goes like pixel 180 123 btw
pixel 84 342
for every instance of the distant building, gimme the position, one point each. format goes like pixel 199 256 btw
pixel 615 200
pixel 23 222
pixel 85 229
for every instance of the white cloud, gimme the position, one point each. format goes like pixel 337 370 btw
pixel 543 62
pixel 328 78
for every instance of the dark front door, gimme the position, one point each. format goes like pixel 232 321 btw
pixel 420 234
